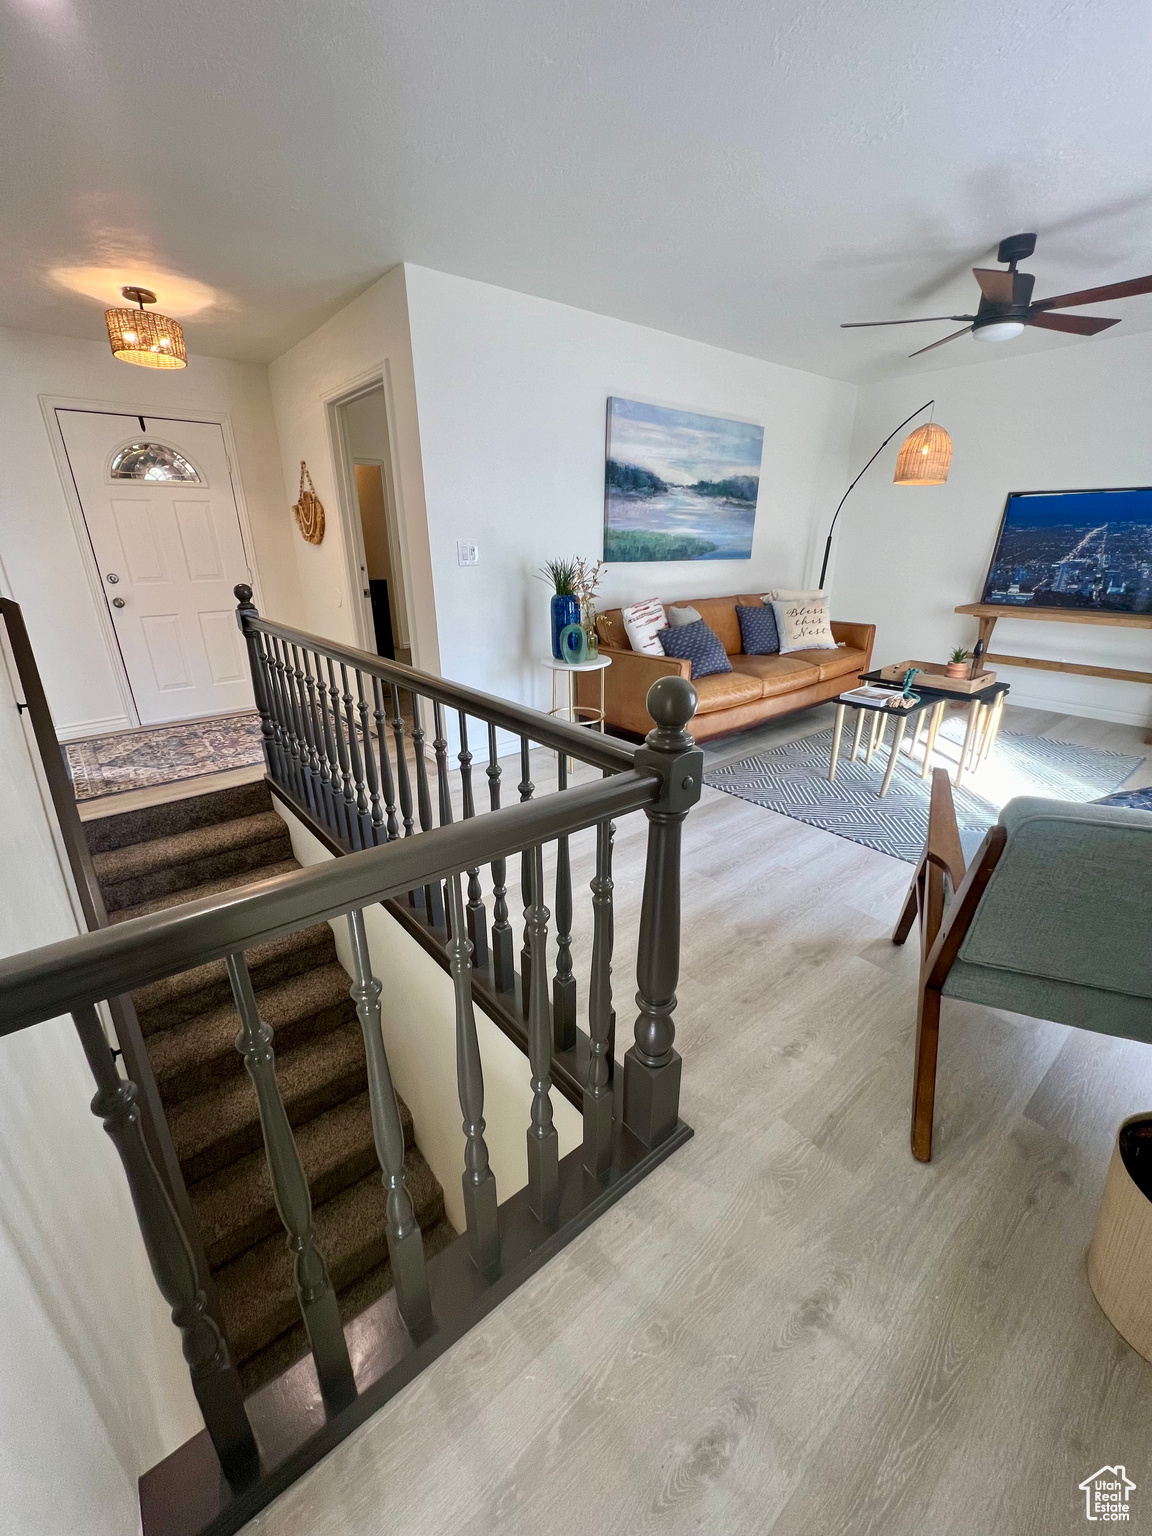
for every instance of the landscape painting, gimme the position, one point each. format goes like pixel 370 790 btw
pixel 1074 549
pixel 679 486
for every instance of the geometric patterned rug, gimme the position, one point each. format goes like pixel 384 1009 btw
pixel 793 780
pixel 163 754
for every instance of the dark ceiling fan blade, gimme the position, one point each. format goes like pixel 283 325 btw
pixel 855 325
pixel 1079 325
pixel 1097 295
pixel 962 332
pixel 996 286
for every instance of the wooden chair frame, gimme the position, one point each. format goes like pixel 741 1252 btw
pixel 943 926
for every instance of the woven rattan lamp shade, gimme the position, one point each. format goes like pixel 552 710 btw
pixel 143 337
pixel 924 457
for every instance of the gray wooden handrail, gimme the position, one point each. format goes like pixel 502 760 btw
pixel 576 741
pixel 56 978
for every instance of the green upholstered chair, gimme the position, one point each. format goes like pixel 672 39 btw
pixel 1052 918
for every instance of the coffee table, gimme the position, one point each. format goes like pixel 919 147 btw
pixel 985 712
pixel 881 713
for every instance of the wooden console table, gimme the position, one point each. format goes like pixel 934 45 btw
pixel 988 613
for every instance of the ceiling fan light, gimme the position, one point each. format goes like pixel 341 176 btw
pixel 924 457
pixel 999 330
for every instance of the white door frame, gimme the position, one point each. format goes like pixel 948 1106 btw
pixel 49 405
pixel 349 502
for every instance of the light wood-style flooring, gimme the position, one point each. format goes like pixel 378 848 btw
pixel 793 1327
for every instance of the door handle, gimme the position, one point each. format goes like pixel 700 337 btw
pixel 118 602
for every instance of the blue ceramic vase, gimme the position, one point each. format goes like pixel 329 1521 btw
pixel 565 611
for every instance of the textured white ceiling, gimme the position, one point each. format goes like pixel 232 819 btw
pixel 748 173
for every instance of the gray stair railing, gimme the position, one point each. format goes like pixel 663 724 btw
pixel 309 694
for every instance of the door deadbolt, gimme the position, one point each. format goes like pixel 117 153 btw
pixel 118 602
pixel 112 578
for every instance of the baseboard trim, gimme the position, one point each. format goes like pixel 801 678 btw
pixel 80 730
pixel 1141 719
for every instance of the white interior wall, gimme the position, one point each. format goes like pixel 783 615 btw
pixel 367 340
pixel 418 1020
pixel 1071 419
pixel 513 392
pixel 38 544
pixel 94 1389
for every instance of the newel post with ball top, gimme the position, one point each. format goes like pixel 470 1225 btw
pixel 652 1065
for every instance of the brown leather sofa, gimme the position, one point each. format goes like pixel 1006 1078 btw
pixel 756 689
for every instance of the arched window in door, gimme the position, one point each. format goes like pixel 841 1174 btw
pixel 151 461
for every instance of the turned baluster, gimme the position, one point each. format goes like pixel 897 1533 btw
pixel 444 791
pixel 391 825
pixel 503 967
pixel 295 728
pixel 564 982
pixel 433 903
pixel 214 1378
pixel 405 1243
pixel 477 917
pixel 279 741
pixel 350 815
pixel 403 782
pixel 479 1183
pixel 309 757
pixel 598 1092
pixel 363 815
pixel 651 1065
pixel 376 831
pixel 290 1191
pixel 292 781
pixel 526 787
pixel 330 767
pixel 246 609
pixel 543 1146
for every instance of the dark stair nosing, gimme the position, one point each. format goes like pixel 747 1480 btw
pixel 103 833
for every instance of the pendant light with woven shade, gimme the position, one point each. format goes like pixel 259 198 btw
pixel 143 337
pixel 924 458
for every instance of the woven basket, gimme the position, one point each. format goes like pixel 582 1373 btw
pixel 309 509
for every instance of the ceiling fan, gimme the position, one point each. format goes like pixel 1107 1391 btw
pixel 1006 305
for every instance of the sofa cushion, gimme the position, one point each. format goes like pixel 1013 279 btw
pixel 696 643
pixel 678 617
pixel 725 690
pixel 719 613
pixel 777 674
pixel 843 660
pixel 758 630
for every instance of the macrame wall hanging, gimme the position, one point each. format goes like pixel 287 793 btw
pixel 309 509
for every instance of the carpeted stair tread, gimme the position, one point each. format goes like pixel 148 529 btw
pixel 215 1128
pixel 178 997
pixel 210 888
pixel 173 817
pixel 257 1293
pixel 182 847
pixel 292 1345
pixel 234 1208
pixel 190 1057
pixel 147 870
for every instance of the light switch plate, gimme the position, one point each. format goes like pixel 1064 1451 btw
pixel 467 553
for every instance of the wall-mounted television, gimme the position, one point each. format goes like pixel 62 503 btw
pixel 1074 549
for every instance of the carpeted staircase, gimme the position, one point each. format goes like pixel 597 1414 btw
pixel 150 859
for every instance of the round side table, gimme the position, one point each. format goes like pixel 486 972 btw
pixel 579 714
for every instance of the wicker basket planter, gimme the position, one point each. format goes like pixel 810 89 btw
pixel 1120 1258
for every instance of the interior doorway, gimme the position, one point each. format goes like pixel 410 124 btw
pixel 379 556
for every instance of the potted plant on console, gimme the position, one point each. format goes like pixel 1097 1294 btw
pixel 957 665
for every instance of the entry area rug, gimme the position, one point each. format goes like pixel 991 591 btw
pixel 793 780
pixel 163 754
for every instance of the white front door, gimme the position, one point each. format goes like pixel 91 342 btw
pixel 161 515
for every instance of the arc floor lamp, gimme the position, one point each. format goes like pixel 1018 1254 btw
pixel 924 457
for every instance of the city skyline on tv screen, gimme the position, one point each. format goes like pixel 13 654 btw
pixel 1075 549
